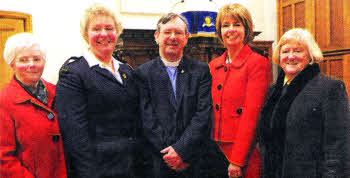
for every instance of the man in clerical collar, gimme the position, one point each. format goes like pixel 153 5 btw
pixel 175 102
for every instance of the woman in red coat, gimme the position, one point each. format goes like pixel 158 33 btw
pixel 240 81
pixel 30 140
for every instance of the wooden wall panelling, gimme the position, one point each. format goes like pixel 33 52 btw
pixel 336 24
pixel 329 22
pixel 322 19
pixel 333 66
pixel 346 71
pixel 337 65
pixel 346 58
pixel 292 13
pixel 265 46
pixel 287 20
pixel 138 46
pixel 310 17
pixel 204 48
pixel 279 19
pixel 333 37
pixel 346 25
pixel 324 67
pixel 299 9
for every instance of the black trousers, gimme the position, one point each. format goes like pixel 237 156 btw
pixel 213 163
pixel 161 170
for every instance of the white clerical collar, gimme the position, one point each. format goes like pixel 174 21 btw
pixel 170 63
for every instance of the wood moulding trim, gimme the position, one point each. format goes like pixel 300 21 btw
pixel 336 52
pixel 28 27
pixel 6 29
pixel 279 19
pixel 310 12
pixel 291 2
pixel 346 15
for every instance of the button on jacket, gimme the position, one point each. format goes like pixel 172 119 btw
pixel 238 92
pixel 30 140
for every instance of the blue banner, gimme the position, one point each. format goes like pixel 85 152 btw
pixel 201 23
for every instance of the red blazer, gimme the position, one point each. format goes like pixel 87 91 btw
pixel 30 144
pixel 238 92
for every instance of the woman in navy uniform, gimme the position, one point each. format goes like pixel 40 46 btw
pixel 98 103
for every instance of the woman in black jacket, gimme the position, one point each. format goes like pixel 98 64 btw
pixel 305 122
pixel 97 102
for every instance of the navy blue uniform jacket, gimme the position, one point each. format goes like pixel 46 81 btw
pixel 182 122
pixel 98 119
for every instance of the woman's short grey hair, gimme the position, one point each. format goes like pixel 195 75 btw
pixel 20 41
pixel 95 10
pixel 304 37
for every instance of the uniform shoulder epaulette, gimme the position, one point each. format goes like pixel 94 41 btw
pixel 72 59
pixel 69 61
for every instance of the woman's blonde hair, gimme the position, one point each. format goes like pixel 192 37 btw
pixel 303 37
pixel 239 13
pixel 94 10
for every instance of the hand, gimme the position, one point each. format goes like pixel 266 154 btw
pixel 172 158
pixel 234 171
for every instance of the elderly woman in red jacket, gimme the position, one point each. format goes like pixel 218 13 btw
pixel 240 81
pixel 30 140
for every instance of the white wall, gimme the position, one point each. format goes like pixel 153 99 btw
pixel 57 22
pixel 58 25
